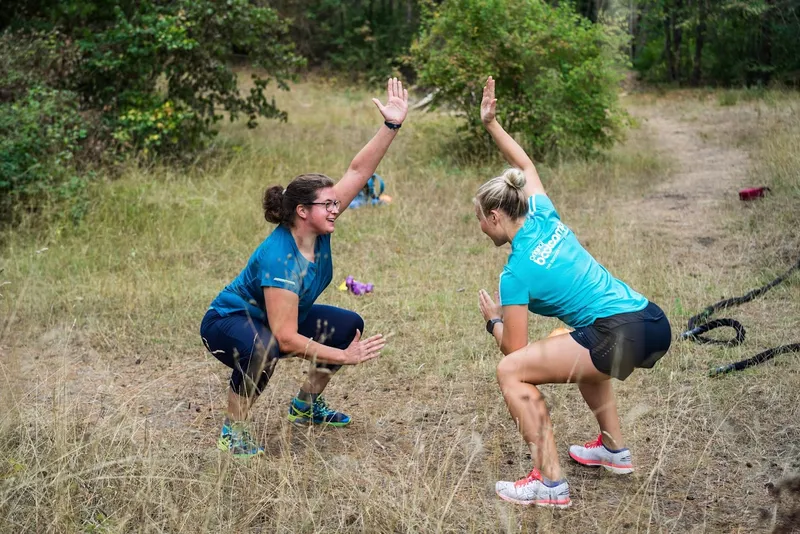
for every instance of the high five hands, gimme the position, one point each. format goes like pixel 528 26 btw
pixel 396 107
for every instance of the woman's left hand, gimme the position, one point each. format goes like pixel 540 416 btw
pixel 489 309
pixel 396 106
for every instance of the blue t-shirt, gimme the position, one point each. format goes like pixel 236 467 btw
pixel 550 272
pixel 277 262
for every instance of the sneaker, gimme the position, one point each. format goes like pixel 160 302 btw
pixel 594 453
pixel 532 490
pixel 236 438
pixel 301 413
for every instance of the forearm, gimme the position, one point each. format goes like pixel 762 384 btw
pixel 512 152
pixel 308 349
pixel 506 346
pixel 368 158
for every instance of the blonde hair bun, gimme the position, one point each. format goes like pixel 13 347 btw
pixel 515 178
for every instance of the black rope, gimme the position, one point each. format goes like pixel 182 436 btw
pixel 700 324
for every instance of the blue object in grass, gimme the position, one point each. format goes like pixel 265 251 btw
pixel 370 194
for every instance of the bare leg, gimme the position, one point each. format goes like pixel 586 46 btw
pixel 238 406
pixel 318 378
pixel 600 398
pixel 529 411
pixel 553 360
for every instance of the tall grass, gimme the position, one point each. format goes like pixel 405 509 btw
pixel 111 405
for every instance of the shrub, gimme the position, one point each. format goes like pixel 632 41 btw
pixel 161 74
pixel 42 132
pixel 40 135
pixel 556 73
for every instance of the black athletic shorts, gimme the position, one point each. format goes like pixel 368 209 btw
pixel 623 342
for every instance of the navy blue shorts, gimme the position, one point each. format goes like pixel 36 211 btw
pixel 248 347
pixel 621 343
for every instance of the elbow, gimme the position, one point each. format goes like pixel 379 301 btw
pixel 508 348
pixel 284 342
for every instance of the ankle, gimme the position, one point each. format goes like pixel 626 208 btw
pixel 305 396
pixel 614 447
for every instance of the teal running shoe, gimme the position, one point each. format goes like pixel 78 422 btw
pixel 304 413
pixel 235 438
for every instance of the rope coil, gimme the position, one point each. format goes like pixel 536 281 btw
pixel 700 324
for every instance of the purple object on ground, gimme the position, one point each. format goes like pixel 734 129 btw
pixel 356 287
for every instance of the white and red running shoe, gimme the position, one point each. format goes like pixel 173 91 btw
pixel 594 454
pixel 532 490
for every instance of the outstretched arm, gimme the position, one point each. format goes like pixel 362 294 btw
pixel 512 152
pixel 282 309
pixel 368 158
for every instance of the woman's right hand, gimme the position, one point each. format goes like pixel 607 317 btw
pixel 489 102
pixel 361 351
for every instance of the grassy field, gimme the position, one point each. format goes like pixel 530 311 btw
pixel 111 406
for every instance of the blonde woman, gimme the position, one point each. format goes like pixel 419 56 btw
pixel 549 273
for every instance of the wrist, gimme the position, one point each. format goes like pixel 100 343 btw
pixel 392 125
pixel 491 323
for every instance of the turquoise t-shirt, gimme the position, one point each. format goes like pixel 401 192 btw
pixel 551 272
pixel 277 262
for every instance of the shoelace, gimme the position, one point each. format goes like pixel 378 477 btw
pixel 321 406
pixel 594 444
pixel 533 475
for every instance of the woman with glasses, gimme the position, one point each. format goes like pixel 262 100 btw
pixel 269 311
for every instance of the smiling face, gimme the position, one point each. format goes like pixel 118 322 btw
pixel 319 219
pixel 490 225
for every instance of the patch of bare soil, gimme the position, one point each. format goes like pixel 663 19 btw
pixel 684 209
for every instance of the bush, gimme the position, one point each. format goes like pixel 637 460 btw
pixel 160 73
pixel 42 132
pixel 40 136
pixel 556 73
pixel 103 79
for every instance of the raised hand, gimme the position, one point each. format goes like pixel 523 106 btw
pixel 489 309
pixel 489 102
pixel 396 106
pixel 361 351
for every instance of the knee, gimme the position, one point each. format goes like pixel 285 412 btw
pixel 343 339
pixel 507 373
pixel 358 324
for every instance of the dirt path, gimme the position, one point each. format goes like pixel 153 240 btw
pixel 684 210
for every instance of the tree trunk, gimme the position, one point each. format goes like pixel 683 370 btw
pixel 765 54
pixel 668 46
pixel 677 36
pixel 699 38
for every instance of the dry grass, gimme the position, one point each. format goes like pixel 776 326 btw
pixel 111 405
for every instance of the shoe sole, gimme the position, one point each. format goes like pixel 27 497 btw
pixel 302 421
pixel 614 468
pixel 547 504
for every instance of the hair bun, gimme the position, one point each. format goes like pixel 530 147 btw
pixel 515 178
pixel 272 203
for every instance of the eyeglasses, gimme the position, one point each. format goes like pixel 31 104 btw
pixel 329 204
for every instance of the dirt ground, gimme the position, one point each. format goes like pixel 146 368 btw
pixel 179 394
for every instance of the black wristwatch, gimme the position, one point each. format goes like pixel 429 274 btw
pixel 490 325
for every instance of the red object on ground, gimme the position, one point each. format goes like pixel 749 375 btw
pixel 752 192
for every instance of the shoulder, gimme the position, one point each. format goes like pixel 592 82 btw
pixel 540 205
pixel 276 247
